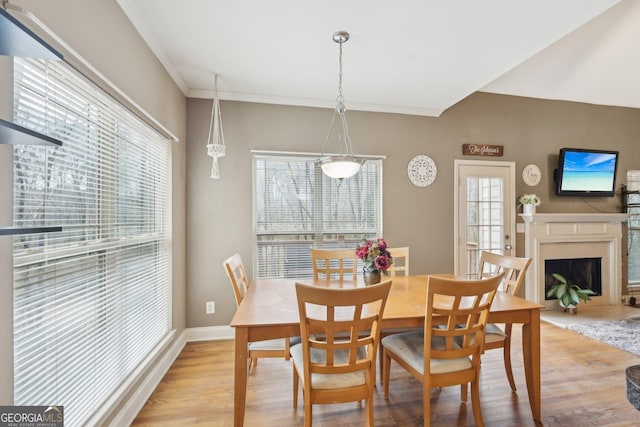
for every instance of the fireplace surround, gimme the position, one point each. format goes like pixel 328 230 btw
pixel 574 236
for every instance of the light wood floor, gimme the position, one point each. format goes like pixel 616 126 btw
pixel 583 384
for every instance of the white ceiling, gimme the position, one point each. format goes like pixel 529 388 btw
pixel 404 56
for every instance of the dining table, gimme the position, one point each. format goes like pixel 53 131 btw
pixel 269 310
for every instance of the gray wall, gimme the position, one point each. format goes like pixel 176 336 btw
pixel 100 32
pixel 531 131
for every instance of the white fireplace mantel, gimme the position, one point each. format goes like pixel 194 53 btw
pixel 575 217
pixel 571 235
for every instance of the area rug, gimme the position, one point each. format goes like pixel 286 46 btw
pixel 624 334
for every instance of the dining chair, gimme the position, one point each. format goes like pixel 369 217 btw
pixel 400 261
pixel 334 263
pixel 447 352
pixel 267 348
pixel 340 367
pixel 514 270
pixel 400 265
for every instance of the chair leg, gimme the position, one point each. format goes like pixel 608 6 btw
pixel 464 392
pixel 386 367
pixel 308 413
pixel 475 403
pixel 296 381
pixel 426 397
pixel 380 356
pixel 506 355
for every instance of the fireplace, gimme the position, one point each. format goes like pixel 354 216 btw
pixel 555 239
pixel 584 272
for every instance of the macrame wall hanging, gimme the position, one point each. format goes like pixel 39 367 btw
pixel 215 140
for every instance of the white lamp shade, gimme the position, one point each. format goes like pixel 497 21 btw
pixel 340 166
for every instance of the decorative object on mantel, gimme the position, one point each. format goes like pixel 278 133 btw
pixel 376 259
pixel 482 150
pixel 215 140
pixel 343 165
pixel 568 294
pixel 422 171
pixel 531 175
pixel 529 203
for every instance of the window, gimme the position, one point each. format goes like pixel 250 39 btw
pixel 633 237
pixel 90 302
pixel 297 207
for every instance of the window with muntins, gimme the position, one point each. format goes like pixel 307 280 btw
pixel 633 238
pixel 91 303
pixel 297 207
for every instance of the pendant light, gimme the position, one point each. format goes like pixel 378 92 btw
pixel 215 140
pixel 343 165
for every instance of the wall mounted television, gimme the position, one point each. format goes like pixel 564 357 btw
pixel 584 172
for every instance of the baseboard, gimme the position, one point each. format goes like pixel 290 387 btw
pixel 210 333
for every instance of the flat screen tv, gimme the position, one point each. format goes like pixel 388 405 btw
pixel 584 172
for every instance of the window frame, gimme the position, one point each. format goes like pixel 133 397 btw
pixel 122 253
pixel 318 235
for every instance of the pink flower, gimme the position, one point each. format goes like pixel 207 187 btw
pixel 382 262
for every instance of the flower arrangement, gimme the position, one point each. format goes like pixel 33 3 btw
pixel 529 199
pixel 374 255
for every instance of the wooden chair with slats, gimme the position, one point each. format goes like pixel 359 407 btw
pixel 338 264
pixel 400 261
pixel 268 348
pixel 447 351
pixel 340 367
pixel 400 265
pixel 514 270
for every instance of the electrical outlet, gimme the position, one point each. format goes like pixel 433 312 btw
pixel 211 307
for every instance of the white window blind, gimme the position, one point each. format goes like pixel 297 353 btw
pixel 90 302
pixel 633 236
pixel 297 207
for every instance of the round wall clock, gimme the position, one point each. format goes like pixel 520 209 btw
pixel 422 171
pixel 531 175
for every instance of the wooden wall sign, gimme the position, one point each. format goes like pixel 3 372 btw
pixel 482 150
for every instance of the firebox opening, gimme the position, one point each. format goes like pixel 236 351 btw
pixel 585 272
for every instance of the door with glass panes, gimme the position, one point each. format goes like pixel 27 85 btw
pixel 484 212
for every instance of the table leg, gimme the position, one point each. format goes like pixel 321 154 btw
pixel 240 376
pixel 531 356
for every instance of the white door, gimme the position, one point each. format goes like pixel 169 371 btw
pixel 485 212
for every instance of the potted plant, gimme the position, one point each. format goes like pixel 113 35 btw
pixel 569 294
pixel 529 203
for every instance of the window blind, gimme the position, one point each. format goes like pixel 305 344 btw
pixel 633 236
pixel 297 207
pixel 90 302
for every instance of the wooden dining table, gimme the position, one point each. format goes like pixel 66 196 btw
pixel 269 310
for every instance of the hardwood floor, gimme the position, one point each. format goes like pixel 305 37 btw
pixel 583 384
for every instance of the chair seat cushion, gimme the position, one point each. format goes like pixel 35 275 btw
pixel 409 346
pixel 328 381
pixel 493 333
pixel 275 344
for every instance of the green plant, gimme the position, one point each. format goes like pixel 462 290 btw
pixel 529 199
pixel 568 293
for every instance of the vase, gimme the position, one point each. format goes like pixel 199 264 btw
pixel 528 209
pixel 571 309
pixel 371 277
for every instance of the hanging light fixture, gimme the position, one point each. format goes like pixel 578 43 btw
pixel 215 140
pixel 343 165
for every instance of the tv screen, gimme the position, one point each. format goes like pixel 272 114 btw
pixel 583 172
